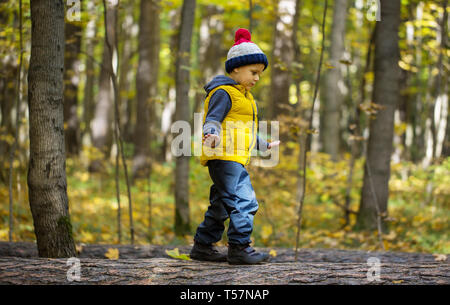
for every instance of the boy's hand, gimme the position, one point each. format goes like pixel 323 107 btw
pixel 273 144
pixel 211 140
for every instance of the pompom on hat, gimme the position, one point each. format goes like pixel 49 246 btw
pixel 244 52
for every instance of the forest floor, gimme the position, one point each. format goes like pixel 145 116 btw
pixel 150 264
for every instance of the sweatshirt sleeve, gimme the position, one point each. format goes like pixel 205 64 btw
pixel 261 145
pixel 218 107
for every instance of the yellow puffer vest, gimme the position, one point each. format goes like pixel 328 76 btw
pixel 238 134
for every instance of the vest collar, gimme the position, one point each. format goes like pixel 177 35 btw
pixel 241 89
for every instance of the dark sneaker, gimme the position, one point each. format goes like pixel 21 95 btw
pixel 245 255
pixel 203 252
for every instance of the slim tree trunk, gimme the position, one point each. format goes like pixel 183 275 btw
pixel 182 218
pixel 168 113
pixel 333 95
pixel 8 94
pixel 304 138
pixel 375 191
pixel 101 125
pixel 126 72
pixel 146 85
pixel 46 173
pixel 88 101
pixel 439 105
pixel 282 56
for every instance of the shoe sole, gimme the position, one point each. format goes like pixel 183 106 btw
pixel 246 263
pixel 208 259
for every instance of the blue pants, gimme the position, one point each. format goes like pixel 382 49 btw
pixel 231 196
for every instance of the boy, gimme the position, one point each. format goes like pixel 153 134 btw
pixel 230 133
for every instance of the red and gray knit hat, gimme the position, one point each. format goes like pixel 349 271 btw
pixel 244 52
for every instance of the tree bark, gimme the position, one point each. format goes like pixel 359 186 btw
pixel 146 85
pixel 182 113
pixel 47 186
pixel 333 93
pixel 164 270
pixel 375 191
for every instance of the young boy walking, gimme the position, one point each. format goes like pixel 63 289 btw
pixel 230 133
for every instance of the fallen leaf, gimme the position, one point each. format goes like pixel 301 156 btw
pixel 273 252
pixel 112 254
pixel 176 254
pixel 440 257
pixel 397 282
pixel 79 248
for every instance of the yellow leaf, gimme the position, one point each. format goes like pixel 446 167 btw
pixel 273 253
pixel 79 247
pixel 176 254
pixel 391 236
pixel 112 254
pixel 397 282
pixel 440 257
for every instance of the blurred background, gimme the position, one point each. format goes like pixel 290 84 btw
pixel 132 68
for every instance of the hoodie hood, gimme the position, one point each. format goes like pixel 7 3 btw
pixel 217 81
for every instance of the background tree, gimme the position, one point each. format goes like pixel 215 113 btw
pixel 282 57
pixel 101 127
pixel 375 191
pixel 146 85
pixel 334 84
pixel 73 35
pixel 182 113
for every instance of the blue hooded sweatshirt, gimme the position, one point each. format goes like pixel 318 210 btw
pixel 219 106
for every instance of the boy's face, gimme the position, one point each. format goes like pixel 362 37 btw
pixel 248 75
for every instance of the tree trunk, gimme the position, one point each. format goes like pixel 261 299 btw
pixel 146 85
pixel 102 122
pixel 47 174
pixel 168 113
pixel 375 191
pixel 126 72
pixel 88 100
pixel 73 34
pixel 333 93
pixel 210 47
pixel 8 92
pixel 182 113
pixel 167 271
pixel 439 105
pixel 282 56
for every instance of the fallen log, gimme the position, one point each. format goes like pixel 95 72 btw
pixel 162 271
pixel 150 264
